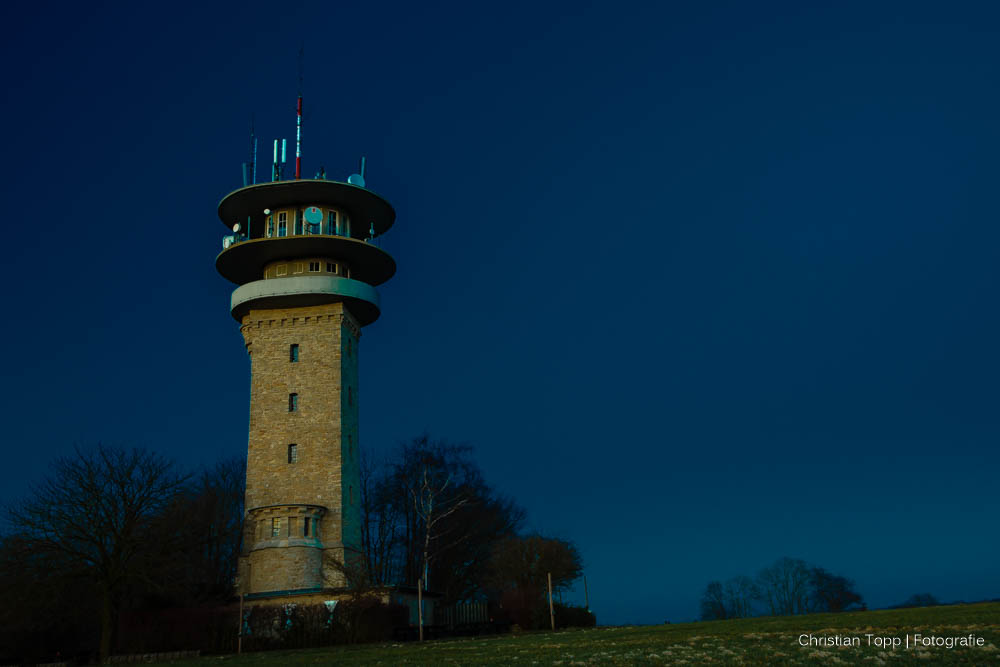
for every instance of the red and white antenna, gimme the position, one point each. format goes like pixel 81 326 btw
pixel 298 118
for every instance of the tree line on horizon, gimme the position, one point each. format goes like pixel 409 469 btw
pixel 791 587
pixel 113 531
pixel 788 587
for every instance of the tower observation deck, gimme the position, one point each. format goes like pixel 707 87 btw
pixel 305 258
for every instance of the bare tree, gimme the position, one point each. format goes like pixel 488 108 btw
pixel 733 599
pixel 461 570
pixel 220 496
pixel 441 485
pixel 208 518
pixel 713 603
pixel 786 588
pixel 380 523
pixel 740 593
pixel 100 514
pixel 435 484
pixel 433 505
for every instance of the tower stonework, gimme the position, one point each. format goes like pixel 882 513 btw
pixel 306 288
pixel 322 486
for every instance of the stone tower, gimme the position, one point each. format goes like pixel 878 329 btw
pixel 304 255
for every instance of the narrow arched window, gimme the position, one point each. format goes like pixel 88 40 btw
pixel 293 453
pixel 350 397
pixel 293 352
pixel 293 402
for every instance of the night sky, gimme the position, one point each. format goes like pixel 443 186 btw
pixel 705 284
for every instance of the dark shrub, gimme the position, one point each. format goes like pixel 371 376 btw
pixel 530 611
pixel 574 617
pixel 205 629
pixel 366 620
pixel 526 609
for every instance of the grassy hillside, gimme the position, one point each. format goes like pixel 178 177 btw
pixel 772 640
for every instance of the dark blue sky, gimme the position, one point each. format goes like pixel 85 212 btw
pixel 704 284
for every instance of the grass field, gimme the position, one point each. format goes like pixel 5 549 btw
pixel 773 640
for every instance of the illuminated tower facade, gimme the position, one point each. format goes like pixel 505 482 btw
pixel 304 254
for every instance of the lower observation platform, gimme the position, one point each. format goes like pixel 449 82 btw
pixel 361 298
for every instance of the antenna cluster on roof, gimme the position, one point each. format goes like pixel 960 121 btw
pixel 278 168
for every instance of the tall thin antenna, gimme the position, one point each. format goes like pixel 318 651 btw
pixel 298 115
pixel 253 151
pixel 250 168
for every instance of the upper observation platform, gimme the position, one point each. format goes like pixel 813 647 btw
pixel 325 223
pixel 360 203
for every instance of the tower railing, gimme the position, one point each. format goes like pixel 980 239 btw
pixel 235 239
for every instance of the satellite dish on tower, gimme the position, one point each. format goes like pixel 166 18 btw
pixel 313 215
pixel 236 228
pixel 226 242
pixel 356 179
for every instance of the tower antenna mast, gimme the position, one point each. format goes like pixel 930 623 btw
pixel 253 152
pixel 298 116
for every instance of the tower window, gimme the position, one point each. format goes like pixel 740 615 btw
pixel 293 453
pixel 281 270
pixel 350 396
pixel 314 266
pixel 293 352
pixel 276 527
pixel 305 526
pixel 298 267
pixel 350 346
pixel 283 223
pixel 331 223
pixel 331 267
pixel 293 402
pixel 298 222
pixel 270 227
pixel 350 446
